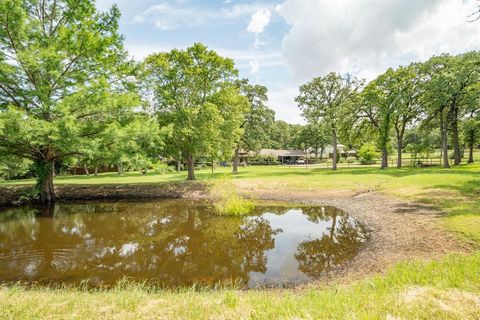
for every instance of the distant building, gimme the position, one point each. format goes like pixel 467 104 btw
pixel 283 156
pixel 341 150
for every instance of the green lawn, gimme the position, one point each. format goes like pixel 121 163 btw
pixel 446 289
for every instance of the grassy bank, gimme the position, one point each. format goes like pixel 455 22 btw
pixel 448 289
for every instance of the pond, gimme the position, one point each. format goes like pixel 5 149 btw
pixel 174 243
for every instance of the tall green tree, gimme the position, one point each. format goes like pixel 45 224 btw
pixel 378 108
pixel 407 104
pixel 183 87
pixel 471 128
pixel 234 109
pixel 329 99
pixel 64 78
pixel 449 89
pixel 258 122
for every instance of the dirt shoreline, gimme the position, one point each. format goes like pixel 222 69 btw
pixel 12 195
pixel 399 230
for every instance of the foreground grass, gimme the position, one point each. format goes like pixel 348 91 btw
pixel 447 289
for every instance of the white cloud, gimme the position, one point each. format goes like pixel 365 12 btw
pixel 254 66
pixel 259 21
pixel 178 15
pixel 366 37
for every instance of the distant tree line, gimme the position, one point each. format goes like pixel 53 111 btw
pixel 403 108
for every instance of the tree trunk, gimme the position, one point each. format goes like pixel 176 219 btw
pixel 191 169
pixel 455 135
pixel 45 181
pixel 86 170
pixel 444 133
pixel 96 171
pixel 120 168
pixel 179 166
pixel 334 144
pixel 471 145
pixel 384 158
pixel 236 160
pixel 399 154
pixel 322 149
pixel 400 133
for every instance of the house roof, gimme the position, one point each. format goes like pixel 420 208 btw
pixel 282 153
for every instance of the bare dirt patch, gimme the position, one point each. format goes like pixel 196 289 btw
pixel 399 230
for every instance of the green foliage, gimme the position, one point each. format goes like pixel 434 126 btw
pixel 313 136
pixel 259 120
pixel 329 99
pixel 368 153
pixel 13 167
pixel 282 135
pixel 162 168
pixel 192 90
pixel 64 78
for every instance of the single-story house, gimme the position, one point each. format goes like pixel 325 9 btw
pixel 341 150
pixel 283 156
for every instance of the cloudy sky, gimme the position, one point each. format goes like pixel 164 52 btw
pixel 282 44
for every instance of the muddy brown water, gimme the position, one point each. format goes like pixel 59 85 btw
pixel 174 243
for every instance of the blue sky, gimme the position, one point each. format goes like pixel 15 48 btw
pixel 284 43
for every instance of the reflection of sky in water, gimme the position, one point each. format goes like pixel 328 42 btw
pixel 281 262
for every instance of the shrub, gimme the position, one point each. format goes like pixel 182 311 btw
pixel 162 168
pixel 368 153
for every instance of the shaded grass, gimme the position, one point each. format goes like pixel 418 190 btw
pixel 446 289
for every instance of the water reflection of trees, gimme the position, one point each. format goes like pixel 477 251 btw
pixel 170 242
pixel 340 244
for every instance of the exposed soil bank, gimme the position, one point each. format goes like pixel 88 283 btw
pixel 11 195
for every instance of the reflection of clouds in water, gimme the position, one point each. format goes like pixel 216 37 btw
pixel 178 245
pixel 72 231
pixel 104 251
pixel 294 227
pixel 31 269
pixel 128 249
